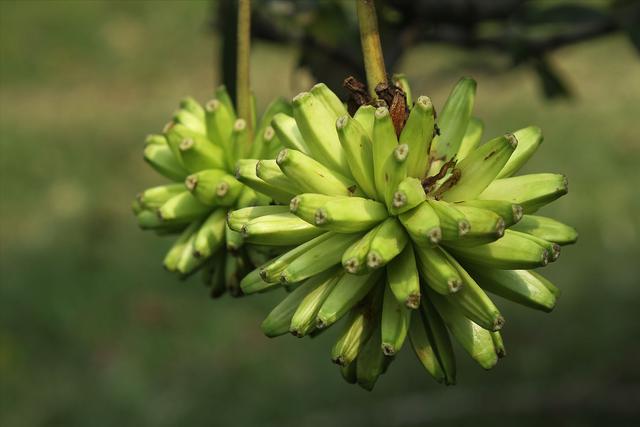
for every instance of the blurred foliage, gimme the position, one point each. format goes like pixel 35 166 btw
pixel 94 333
pixel 525 31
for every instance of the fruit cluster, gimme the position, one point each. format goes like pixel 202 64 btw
pixel 397 225
pixel 198 150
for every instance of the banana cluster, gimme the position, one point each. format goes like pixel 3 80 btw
pixel 401 232
pixel 198 151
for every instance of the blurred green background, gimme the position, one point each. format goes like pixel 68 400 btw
pixel 93 332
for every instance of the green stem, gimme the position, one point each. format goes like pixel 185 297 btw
pixel 243 83
pixel 371 47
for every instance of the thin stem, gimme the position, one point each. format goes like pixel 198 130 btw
pixel 371 47
pixel 243 83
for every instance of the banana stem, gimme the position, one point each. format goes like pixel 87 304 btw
pixel 371 47
pixel 243 84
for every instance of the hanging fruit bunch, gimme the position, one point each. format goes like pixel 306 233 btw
pixel 197 151
pixel 408 222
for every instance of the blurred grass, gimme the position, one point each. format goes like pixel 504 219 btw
pixel 93 332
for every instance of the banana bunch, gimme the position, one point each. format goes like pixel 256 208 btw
pixel 198 151
pixel 400 231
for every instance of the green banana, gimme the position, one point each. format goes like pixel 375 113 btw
pixel 155 139
pixel 279 319
pixel 172 257
pixel 403 278
pixel 387 243
pixel 154 197
pixel 219 118
pixel 553 249
pixel 547 228
pixel 313 177
pixel 440 341
pixel 511 252
pixel 436 270
pixel 452 122
pixel 350 214
pixel 191 105
pixel 240 143
pixel 329 99
pixel 213 275
pixel 214 187
pixel 529 191
pixel 189 120
pixel 269 172
pixel 472 302
pixel 498 344
pixel 210 236
pixel 239 217
pixel 317 126
pixel 484 225
pixel 407 196
pixel 321 285
pixel 188 261
pixel 453 223
pixel 183 206
pixel 422 224
pixel 395 170
pixel 418 134
pixel 349 372
pixel 358 148
pixel 476 341
pixel 271 272
pixel 510 213
pixel 354 259
pixel 472 137
pixel 371 361
pixel 520 286
pixel 394 324
pixel 265 134
pixel 348 292
pixel 246 173
pixel 162 159
pixel 529 139
pixel 480 168
pixel 318 258
pixel 305 205
pixel 288 133
pixel 384 144
pixel 423 348
pixel 280 229
pixel 195 151
pixel 365 115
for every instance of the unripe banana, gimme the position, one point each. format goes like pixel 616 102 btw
pixel 318 258
pixel 387 243
pixel 272 271
pixel 472 302
pixel 222 95
pixel 312 176
pixel 348 292
pixel 357 145
pixel 529 191
pixel 219 119
pixel 239 217
pixel 366 116
pixel 422 224
pixel 191 105
pixel 547 229
pixel 371 362
pixel 511 252
pixel 281 229
pixel 384 144
pixel 234 271
pixel 213 275
pixel 471 139
pixel 452 122
pixel 265 135
pixel 195 151
pixel 407 196
pixel 354 259
pixel 474 339
pixel 321 285
pixel 246 173
pixel 161 158
pixel 189 120
pixel 316 125
pixel 183 206
pixel 395 170
pixel 288 133
pixel 509 212
pixel 210 236
pixel 529 139
pixel 423 348
pixel 148 219
pixel 214 187
pixel 305 205
pixel 269 172
pixel 440 341
pixel 249 197
pixel 349 372
pixel 350 214
pixel 480 168
pixel 172 257
pixel 188 262
pixel 329 99
pixel 240 143
pixel 154 197
pixel 453 223
pixel 279 320
pixel 155 139
pixel 520 286
pixel 403 278
pixel 394 323
pixel 484 226
pixel 553 249
pixel 498 344
pixel 418 134
pixel 436 270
